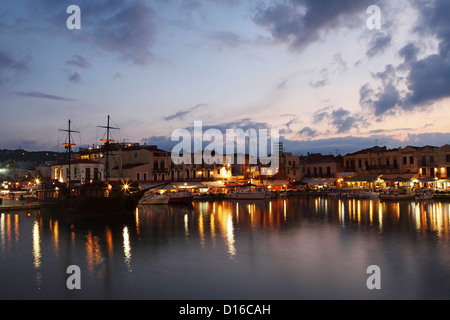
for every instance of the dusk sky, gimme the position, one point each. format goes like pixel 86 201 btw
pixel 310 68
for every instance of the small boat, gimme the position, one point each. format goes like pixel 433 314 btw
pixel 368 195
pixel 401 194
pixel 397 196
pixel 180 197
pixel 424 196
pixel 249 195
pixel 153 198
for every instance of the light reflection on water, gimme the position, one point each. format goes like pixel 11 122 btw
pixel 279 249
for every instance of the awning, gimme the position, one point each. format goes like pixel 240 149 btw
pixel 405 177
pixel 189 185
pixel 363 178
pixel 214 184
pixel 319 181
pixel 275 182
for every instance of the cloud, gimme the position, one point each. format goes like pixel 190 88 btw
pixel 427 79
pixel 12 67
pixel 307 132
pixel 409 52
pixel 124 29
pixel 343 120
pixel 40 95
pixel 183 113
pixel 75 77
pixel 230 39
pixel 303 22
pixel 378 44
pixel 387 98
pixel 79 61
pixel 130 32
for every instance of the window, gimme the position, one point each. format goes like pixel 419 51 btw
pixel 431 159
pixel 138 176
pixel 144 176
pixel 329 171
pixel 411 160
pixel 447 158
pixel 359 163
pixel 405 160
pixel 387 162
pixel 424 171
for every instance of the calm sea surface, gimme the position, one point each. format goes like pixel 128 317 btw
pixel 303 248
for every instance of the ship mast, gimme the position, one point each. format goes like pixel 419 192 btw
pixel 68 145
pixel 107 141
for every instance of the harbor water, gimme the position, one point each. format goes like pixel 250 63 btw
pixel 281 249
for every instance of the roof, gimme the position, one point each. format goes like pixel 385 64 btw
pixel 398 177
pixel 78 161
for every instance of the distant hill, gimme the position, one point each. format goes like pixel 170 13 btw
pixel 36 157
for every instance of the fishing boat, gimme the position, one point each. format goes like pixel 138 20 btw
pixel 90 197
pixel 151 198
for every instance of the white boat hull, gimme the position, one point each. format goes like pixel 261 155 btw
pixel 154 200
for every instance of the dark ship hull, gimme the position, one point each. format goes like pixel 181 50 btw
pixel 99 198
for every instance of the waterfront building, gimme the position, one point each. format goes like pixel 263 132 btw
pixel 78 170
pixel 320 170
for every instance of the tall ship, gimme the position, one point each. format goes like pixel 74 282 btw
pixel 97 196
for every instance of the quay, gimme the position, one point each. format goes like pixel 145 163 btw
pixel 13 205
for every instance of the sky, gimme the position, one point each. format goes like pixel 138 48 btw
pixel 312 69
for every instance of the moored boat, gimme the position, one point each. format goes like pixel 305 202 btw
pixel 101 197
pixel 249 195
pixel 180 197
pixel 424 196
pixel 90 197
pixel 153 198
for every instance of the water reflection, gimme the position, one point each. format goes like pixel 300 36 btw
pixel 227 230
pixel 127 248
